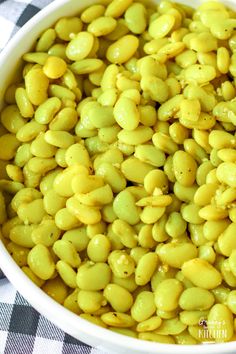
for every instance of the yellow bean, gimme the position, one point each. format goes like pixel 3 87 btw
pixel 10 143
pixel 126 113
pixel 66 26
pixel 121 264
pixel 210 277
pixel 36 84
pixel 92 12
pixel 80 46
pixel 46 111
pixel 77 154
pixel 32 212
pixel 29 131
pixel 45 233
pixel 155 87
pixel 135 17
pixel 67 273
pixel 118 319
pixel 54 67
pixel 102 26
pixel 65 220
pixel 117 52
pixel 160 27
pixel 61 139
pixel 117 7
pixel 185 251
pixel 201 74
pixel 145 268
pixel 40 148
pixel 144 306
pixel 92 276
pixel 125 208
pixel 220 320
pixel 67 253
pixel 40 262
pixel 164 143
pixel 11 119
pixel 118 297
pixel 167 294
pixel 56 289
pixel 23 103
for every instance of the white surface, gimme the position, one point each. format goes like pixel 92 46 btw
pixel 67 321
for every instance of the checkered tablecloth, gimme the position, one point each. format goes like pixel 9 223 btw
pixel 22 329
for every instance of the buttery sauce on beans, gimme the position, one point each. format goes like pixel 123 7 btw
pixel 118 169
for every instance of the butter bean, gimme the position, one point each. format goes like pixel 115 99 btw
pixel 11 119
pixel 29 131
pixel 135 17
pixel 23 103
pixel 40 262
pixel 98 248
pixel 87 276
pixel 40 165
pixel 65 120
pixel 145 268
pixel 77 154
pixel 118 297
pixel 155 87
pixel 126 113
pixel 66 26
pixel 161 26
pixel 67 253
pixel 61 92
pixel 125 208
pixel 36 84
pixel 40 148
pixel 212 213
pixel 221 315
pixel 226 240
pixel 125 232
pixel 85 214
pixel 117 52
pixel 185 251
pixel 46 111
pixel 90 301
pixel 61 139
pixel 102 26
pixel 167 294
pixel 210 277
pixel 200 73
pixel 65 220
pixel 32 212
pixel 45 233
pixel 196 299
pixel 10 143
pixel 92 12
pixel 121 264
pixel 56 289
pixel 150 154
pixel 80 46
pixel 143 307
pixel 117 319
pixel 164 143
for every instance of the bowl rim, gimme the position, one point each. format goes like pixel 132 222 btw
pixel 49 307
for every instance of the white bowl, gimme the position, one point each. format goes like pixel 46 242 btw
pixel 66 320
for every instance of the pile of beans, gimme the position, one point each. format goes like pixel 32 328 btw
pixel 118 169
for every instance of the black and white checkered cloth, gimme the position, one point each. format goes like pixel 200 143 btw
pixel 22 329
